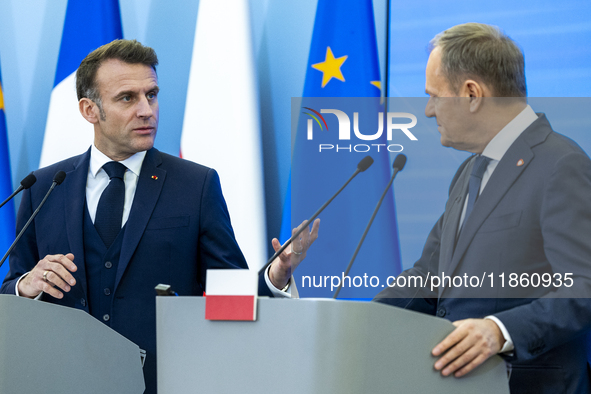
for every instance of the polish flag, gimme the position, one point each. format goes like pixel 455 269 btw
pixel 221 127
pixel 231 294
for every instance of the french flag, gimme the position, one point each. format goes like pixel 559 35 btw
pixel 87 26
pixel 221 127
pixel 231 294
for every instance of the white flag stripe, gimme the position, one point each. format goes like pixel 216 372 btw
pixel 67 133
pixel 232 282
pixel 221 127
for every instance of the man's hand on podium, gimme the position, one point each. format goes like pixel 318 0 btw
pixel 49 275
pixel 469 345
pixel 284 265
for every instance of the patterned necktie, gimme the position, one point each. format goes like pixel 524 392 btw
pixel 478 170
pixel 109 212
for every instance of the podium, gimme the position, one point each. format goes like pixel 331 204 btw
pixel 309 346
pixel 47 348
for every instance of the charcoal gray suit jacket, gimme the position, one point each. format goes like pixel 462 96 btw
pixel 533 216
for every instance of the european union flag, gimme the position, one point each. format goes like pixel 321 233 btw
pixel 337 119
pixel 7 225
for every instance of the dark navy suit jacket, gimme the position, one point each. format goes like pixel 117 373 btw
pixel 178 227
pixel 533 216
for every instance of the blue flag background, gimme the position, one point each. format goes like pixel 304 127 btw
pixel 7 211
pixel 343 62
pixel 88 25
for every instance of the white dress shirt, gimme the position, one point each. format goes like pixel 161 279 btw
pixel 97 180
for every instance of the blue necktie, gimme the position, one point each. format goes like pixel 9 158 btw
pixel 478 170
pixel 109 212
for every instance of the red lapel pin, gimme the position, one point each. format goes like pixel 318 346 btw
pixel 520 163
pixel 154 177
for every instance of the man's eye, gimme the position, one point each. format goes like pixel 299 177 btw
pixel 151 96
pixel 126 98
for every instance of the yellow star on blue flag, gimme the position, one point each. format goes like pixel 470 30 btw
pixel 330 67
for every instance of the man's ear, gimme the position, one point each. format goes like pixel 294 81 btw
pixel 89 110
pixel 475 91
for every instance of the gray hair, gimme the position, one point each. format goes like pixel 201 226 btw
pixel 484 52
pixel 94 95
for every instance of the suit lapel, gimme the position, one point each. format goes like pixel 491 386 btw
pixel 74 200
pixel 453 212
pixel 146 195
pixel 504 176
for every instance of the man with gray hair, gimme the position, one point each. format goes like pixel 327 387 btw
pixel 519 205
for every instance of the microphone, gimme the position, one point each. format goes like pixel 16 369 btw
pixel 363 165
pixel 398 165
pixel 58 178
pixel 26 183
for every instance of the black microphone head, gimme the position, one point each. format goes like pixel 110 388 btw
pixel 399 162
pixel 28 181
pixel 365 163
pixel 59 177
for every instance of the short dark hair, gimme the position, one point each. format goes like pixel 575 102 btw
pixel 483 52
pixel 128 51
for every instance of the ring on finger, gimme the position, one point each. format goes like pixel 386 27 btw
pixel 45 275
pixel 296 253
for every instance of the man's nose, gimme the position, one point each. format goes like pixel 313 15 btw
pixel 144 109
pixel 430 108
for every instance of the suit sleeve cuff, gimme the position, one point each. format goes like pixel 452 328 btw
pixel 290 292
pixel 508 346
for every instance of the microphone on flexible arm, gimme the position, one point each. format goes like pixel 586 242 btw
pixel 58 178
pixel 398 165
pixel 26 183
pixel 363 165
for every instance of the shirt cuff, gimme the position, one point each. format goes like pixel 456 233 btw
pixel 508 346
pixel 275 291
pixel 16 287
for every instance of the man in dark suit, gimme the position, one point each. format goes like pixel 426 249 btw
pixel 520 205
pixel 128 217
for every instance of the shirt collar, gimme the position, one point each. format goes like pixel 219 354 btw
pixel 98 159
pixel 500 144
